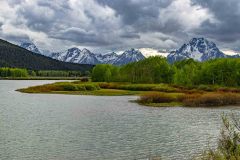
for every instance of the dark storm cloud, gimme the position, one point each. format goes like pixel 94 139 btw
pixel 142 14
pixel 120 23
pixel 227 12
pixel 40 17
pixel 1 24
pixel 78 35
pixel 130 35
pixel 16 38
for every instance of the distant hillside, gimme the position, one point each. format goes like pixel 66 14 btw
pixel 14 56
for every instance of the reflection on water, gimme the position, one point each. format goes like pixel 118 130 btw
pixel 59 127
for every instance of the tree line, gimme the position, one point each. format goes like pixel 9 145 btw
pixel 13 72
pixel 19 72
pixel 225 72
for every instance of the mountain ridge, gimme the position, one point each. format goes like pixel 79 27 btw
pixel 30 46
pixel 75 55
pixel 17 57
pixel 199 49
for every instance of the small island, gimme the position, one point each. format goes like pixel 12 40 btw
pixel 160 84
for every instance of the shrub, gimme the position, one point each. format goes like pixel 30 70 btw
pixel 165 89
pixel 105 85
pixel 225 89
pixel 68 87
pixel 85 80
pixel 206 88
pixel 91 87
pixel 81 87
pixel 157 98
pixel 211 99
pixel 228 143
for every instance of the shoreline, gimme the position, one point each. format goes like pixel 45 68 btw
pixel 42 78
pixel 152 95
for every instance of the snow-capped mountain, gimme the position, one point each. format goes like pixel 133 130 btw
pixel 30 46
pixel 199 49
pixel 108 58
pixel 33 48
pixel 75 55
pixel 129 56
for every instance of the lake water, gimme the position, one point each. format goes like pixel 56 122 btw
pixel 68 127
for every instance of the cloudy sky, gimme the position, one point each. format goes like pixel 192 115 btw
pixel 103 25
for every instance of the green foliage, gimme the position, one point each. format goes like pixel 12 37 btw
pixel 13 72
pixel 186 72
pixel 150 70
pixel 61 87
pixel 58 73
pixel 222 72
pixel 32 73
pixel 18 72
pixel 228 145
pixel 105 73
pixel 138 87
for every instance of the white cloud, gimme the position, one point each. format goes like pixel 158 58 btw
pixel 147 52
pixel 230 52
pixel 186 14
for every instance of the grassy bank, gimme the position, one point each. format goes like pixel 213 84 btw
pixel 79 88
pixel 228 147
pixel 205 99
pixel 156 95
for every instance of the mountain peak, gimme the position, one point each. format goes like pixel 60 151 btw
pixel 84 56
pixel 85 50
pixel 30 46
pixel 73 49
pixel 131 55
pixel 199 49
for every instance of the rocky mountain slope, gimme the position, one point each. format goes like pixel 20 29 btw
pixel 30 46
pixel 199 49
pixel 84 56
pixel 14 56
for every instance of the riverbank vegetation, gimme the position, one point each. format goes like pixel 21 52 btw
pixel 82 88
pixel 61 87
pixel 153 70
pixel 20 73
pixel 228 144
pixel 186 83
pixel 207 99
pixel 13 72
pixel 156 95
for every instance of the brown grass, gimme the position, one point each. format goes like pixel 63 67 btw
pixel 61 86
pixel 211 99
pixel 231 90
pixel 157 98
pixel 206 99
